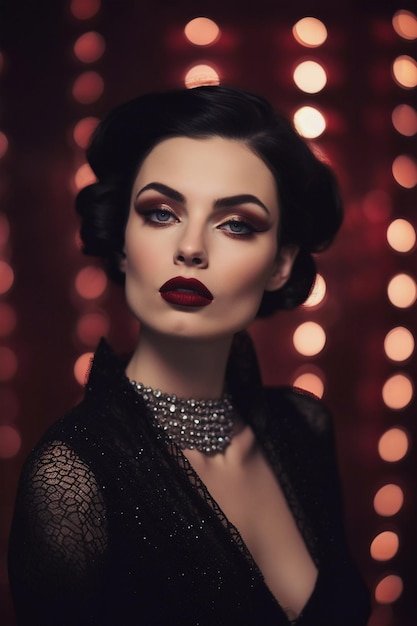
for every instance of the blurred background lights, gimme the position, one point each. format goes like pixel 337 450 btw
pixel 92 326
pixel 309 122
pixel 310 382
pixel 404 170
pixel 84 9
pixel 7 319
pixel 310 32
pixel 309 338
pixel 310 76
pixel 10 442
pixel 404 70
pixel 6 277
pixel 401 235
pixel 393 445
pixel 399 344
pixel 388 500
pixel 84 176
pixel 384 546
pixel 89 47
pixel 90 282
pixel 405 24
pixel 8 364
pixel 318 293
pixel 82 367
pixel 83 130
pixel 402 291
pixel 201 31
pixel 397 391
pixel 201 75
pixel 88 87
pixel 4 144
pixel 389 589
pixel 404 119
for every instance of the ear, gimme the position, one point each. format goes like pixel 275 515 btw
pixel 282 268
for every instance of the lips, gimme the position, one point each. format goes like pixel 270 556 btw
pixel 186 292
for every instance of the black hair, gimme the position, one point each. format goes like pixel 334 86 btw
pixel 310 206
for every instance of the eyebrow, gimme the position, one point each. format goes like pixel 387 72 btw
pixel 219 204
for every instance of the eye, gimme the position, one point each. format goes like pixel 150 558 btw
pixel 237 227
pixel 159 216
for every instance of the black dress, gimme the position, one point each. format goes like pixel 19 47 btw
pixel 113 526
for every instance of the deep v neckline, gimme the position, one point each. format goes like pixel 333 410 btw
pixel 192 475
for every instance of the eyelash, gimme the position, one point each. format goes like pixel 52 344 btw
pixel 148 214
pixel 150 217
pixel 250 230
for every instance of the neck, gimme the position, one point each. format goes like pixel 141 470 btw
pixel 189 368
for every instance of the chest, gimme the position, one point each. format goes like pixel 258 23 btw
pixel 253 501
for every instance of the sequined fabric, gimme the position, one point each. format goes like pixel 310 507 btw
pixel 113 526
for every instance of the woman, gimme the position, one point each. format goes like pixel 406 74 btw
pixel 144 506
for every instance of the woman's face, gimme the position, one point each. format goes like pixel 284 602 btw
pixel 206 210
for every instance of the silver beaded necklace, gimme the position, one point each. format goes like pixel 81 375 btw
pixel 205 425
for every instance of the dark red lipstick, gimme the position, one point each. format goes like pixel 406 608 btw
pixel 186 292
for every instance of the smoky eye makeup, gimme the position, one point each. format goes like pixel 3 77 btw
pixel 254 221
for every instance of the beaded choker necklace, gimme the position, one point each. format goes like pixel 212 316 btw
pixel 202 424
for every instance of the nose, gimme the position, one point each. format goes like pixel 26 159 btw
pixel 191 250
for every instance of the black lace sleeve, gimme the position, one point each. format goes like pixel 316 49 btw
pixel 58 540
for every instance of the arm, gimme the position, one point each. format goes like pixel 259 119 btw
pixel 58 540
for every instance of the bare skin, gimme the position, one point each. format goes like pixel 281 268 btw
pixel 243 484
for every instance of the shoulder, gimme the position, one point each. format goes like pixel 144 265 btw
pixel 294 407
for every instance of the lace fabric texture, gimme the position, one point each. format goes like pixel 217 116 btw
pixel 113 526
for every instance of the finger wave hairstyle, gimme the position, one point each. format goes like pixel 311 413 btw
pixel 311 210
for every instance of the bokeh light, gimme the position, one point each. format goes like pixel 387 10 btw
pixel 92 326
pixel 310 382
pixel 310 76
pixel 84 176
pixel 201 31
pixel 402 291
pixel 401 235
pixel 389 589
pixel 309 122
pixel 404 70
pixel 405 24
pixel 10 442
pixel 399 344
pixel 393 445
pixel 88 87
pixel 404 170
pixel 398 391
pixel 6 277
pixel 8 364
pixel 7 319
pixel 384 546
pixel 404 119
pixel 83 130
pixel 89 47
pixel 84 9
pixel 91 282
pixel 201 75
pixel 4 144
pixel 388 500
pixel 309 338
pixel 82 367
pixel 310 32
pixel 318 292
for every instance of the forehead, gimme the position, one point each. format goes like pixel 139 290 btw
pixel 222 166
